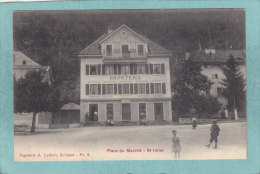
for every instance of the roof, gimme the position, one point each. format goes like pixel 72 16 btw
pixel 70 106
pixel 95 49
pixel 19 58
pixel 18 61
pixel 112 33
pixel 220 56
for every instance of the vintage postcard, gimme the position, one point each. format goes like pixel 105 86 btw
pixel 130 87
pixel 98 85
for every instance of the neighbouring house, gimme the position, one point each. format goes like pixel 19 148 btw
pixel 212 62
pixel 125 77
pixel 23 64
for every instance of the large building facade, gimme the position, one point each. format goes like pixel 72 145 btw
pixel 212 62
pixel 125 77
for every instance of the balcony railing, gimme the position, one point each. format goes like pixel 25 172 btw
pixel 126 54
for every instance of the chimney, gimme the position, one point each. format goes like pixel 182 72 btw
pixel 187 54
pixel 109 30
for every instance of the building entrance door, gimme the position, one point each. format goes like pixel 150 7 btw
pixel 158 111
pixel 93 112
pixel 126 111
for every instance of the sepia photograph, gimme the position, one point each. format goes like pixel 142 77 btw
pixel 159 84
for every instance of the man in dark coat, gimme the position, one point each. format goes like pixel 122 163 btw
pixel 214 132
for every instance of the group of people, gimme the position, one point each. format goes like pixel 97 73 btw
pixel 214 133
pixel 93 118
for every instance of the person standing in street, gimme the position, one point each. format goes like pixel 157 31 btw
pixel 176 147
pixel 214 133
pixel 194 122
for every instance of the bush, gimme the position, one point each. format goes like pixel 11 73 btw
pixel 206 106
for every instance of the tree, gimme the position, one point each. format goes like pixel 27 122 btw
pixel 189 87
pixel 234 85
pixel 207 106
pixel 31 94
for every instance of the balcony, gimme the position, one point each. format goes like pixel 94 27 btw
pixel 126 55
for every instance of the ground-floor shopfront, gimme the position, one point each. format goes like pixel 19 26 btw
pixel 126 110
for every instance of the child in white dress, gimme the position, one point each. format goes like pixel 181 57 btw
pixel 176 147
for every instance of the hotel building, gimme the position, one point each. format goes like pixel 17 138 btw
pixel 125 77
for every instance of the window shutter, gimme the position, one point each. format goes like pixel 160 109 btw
pixel 131 88
pixel 151 68
pixel 135 68
pixel 163 88
pixel 87 69
pixel 87 89
pixel 120 88
pixel 146 68
pixel 103 69
pixel 115 69
pixel 103 89
pixel 152 88
pixel 131 69
pixel 99 89
pixel 135 88
pixel 162 68
pixel 99 69
pixel 119 69
pixel 147 88
pixel 115 88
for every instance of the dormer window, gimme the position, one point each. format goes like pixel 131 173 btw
pixel 125 51
pixel 24 62
pixel 214 76
pixel 140 50
pixel 109 50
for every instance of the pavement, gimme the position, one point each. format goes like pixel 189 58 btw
pixel 130 143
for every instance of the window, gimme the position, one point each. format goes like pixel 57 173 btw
pixel 141 88
pixel 93 89
pixel 157 68
pixel 109 89
pixel 140 69
pixel 219 91
pixel 109 69
pixel 214 76
pixel 207 92
pixel 125 51
pixel 125 89
pixel 140 50
pixel 93 70
pixel 109 50
pixel 142 111
pixel 110 111
pixel 125 69
pixel 157 88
